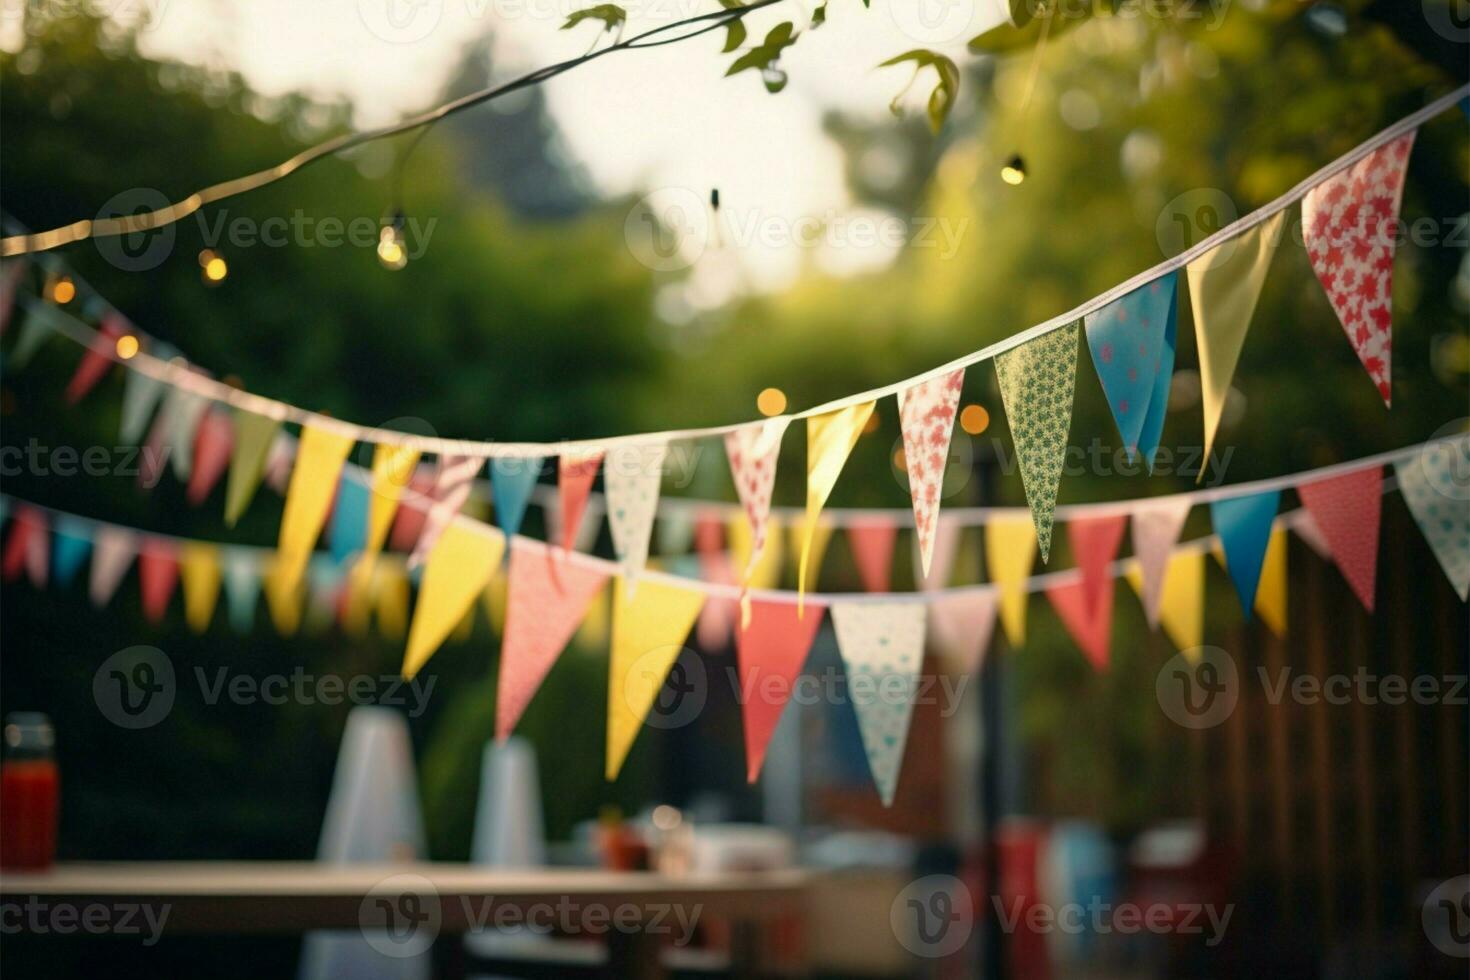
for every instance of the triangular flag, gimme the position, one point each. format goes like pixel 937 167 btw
pixel 199 568
pixel 1156 527
pixel 765 568
pixel 1181 602
pixel 1010 548
pixel 71 544
pixel 1037 380
pixel 512 478
pixel 113 550
pixel 1224 285
pixel 770 652
pixel 455 572
pixel 1433 484
pixel 1347 508
pixel 1306 529
pixel 158 575
pixel 35 330
pixel 319 460
pixel 1095 542
pixel 675 531
pixel 962 624
pixel 213 444
pixel 1350 227
pixel 182 411
pixel 284 598
pixel 548 596
pixel 1244 527
pixel 926 413
pixel 393 467
pixel 155 451
pixel 872 539
pixel 1091 628
pixel 452 483
pixel 648 634
pixel 349 524
pixel 945 547
pixel 242 587
pixel 1271 590
pixel 1132 344
pixel 752 452
pixel 280 458
pixel 141 393
pixel 631 476
pixel 254 435
pixel 574 476
pixel 821 537
pixel 390 598
pixel 882 647
pixel 28 547
pixel 412 512
pixel 96 359
pixel 829 441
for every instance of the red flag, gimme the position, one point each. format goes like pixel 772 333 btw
pixel 770 652
pixel 158 574
pixel 574 477
pixel 97 359
pixel 1347 509
pixel 28 549
pixel 1092 630
pixel 413 511
pixel 1095 542
pixel 871 539
pixel 213 443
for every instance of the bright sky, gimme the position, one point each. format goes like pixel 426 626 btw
pixel 662 119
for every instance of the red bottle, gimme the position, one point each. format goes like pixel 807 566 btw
pixel 29 787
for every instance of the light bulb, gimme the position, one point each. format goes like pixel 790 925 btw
pixel 392 253
pixel 1014 171
pixel 212 267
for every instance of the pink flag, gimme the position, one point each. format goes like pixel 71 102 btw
pixel 1156 528
pixel 28 549
pixel 1350 226
pixel 926 414
pixel 451 489
pixel 546 601
pixel 1095 542
pixel 946 545
pixel 872 540
pixel 752 451
pixel 575 473
pixel 158 574
pixel 112 554
pixel 770 652
pixel 213 443
pixel 717 615
pixel 97 358
pixel 1347 509
pixel 1092 629
pixel 413 509
pixel 962 624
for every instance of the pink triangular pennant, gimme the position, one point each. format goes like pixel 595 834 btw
pixel 871 539
pixel 1095 542
pixel 926 415
pixel 413 510
pixel 28 549
pixel 1156 528
pixel 717 616
pixel 113 550
pixel 1092 629
pixel 575 473
pixel 753 451
pixel 1347 508
pixel 770 652
pixel 946 547
pixel 451 489
pixel 213 442
pixel 546 601
pixel 1350 226
pixel 97 358
pixel 158 574
pixel 962 624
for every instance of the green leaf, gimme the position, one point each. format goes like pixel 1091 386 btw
pixel 819 16
pixel 1027 25
pixel 765 54
pixel 941 100
pixel 734 36
pixel 610 14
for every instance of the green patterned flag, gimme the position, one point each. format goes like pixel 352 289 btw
pixel 1036 384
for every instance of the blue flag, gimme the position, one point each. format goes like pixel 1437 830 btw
pixel 1244 527
pixel 350 518
pixel 71 546
pixel 511 481
pixel 241 568
pixel 1132 344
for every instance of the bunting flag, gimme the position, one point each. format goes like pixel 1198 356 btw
pixel 158 576
pixel 821 538
pixel 113 550
pixel 1350 227
pixel 1087 617
pixel 280 459
pixel 390 598
pixel 1181 601
pixel 1271 590
pixel 72 543
pixel 455 572
pixel 872 540
pixel 770 651
pixel 926 415
pixel 284 597
pixel 718 616
pixel 28 549
pixel 752 452
pixel 648 634
pixel 1308 531
pixel 1244 527
pixel 675 532
pixel 1036 384
pixel 631 478
pixel 155 451
pixel 882 647
pixel 945 548
pixel 765 568
pixel 1347 508
pixel 182 411
pixel 34 332
pixel 962 624
pixel 512 479
pixel 96 359
pixel 199 569
pixel 1224 285
pixel 1156 527
pixel 1095 542
pixel 1434 488
pixel 829 441
pixel 548 597
pixel 348 528
pixel 254 435
pixel 452 482
pixel 141 394
pixel 241 575
pixel 393 467
pixel 1132 344
pixel 319 460
pixel 575 473
pixel 213 444
pixel 1010 548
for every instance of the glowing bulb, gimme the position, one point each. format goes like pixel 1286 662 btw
pixel 392 254
pixel 900 461
pixel 974 419
pixel 63 290
pixel 212 267
pixel 771 401
pixel 127 346
pixel 1014 172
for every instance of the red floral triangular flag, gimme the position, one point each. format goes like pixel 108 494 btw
pixel 1347 508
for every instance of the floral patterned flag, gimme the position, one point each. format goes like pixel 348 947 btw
pixel 1350 226
pixel 1347 508
pixel 1132 344
pixel 632 476
pixel 1436 486
pixel 926 414
pixel 451 489
pixel 882 647
pixel 1036 384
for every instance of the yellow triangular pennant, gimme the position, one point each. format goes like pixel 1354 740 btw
pixel 829 441
pixel 1271 587
pixel 199 571
pixel 390 598
pixel 458 566
pixel 392 467
pixel 1182 599
pixel 319 460
pixel 283 597
pixel 767 571
pixel 820 540
pixel 1010 548
pixel 648 634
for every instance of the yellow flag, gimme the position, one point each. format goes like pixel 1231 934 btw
pixel 283 598
pixel 1010 548
pixel 199 570
pixel 820 540
pixel 593 631
pixel 392 466
pixel 1224 285
pixel 497 603
pixel 648 634
pixel 829 440
pixel 1271 588
pixel 319 459
pixel 458 566
pixel 1182 599
pixel 359 605
pixel 390 598
pixel 767 571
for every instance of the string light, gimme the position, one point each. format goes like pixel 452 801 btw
pixel 61 290
pixel 974 419
pixel 127 346
pixel 212 267
pixel 392 253
pixel 771 401
pixel 1014 171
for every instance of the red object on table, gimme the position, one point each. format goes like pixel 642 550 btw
pixel 29 791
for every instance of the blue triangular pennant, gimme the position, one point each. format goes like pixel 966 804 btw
pixel 242 586
pixel 71 545
pixel 1132 344
pixel 350 517
pixel 511 481
pixel 1244 527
